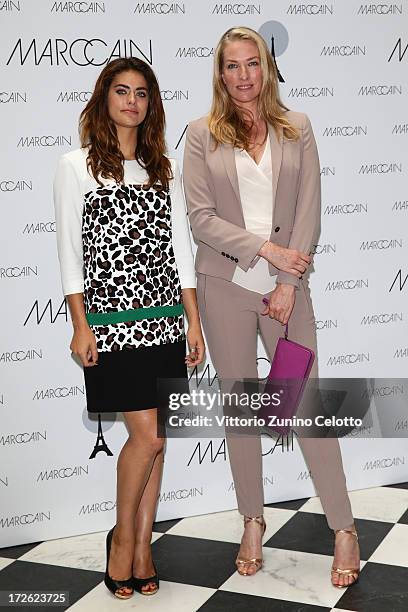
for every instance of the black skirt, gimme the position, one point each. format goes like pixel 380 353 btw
pixel 126 380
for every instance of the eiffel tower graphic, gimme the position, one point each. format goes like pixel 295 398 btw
pixel 280 77
pixel 100 444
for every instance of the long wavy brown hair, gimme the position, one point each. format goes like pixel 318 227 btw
pixel 98 131
pixel 228 124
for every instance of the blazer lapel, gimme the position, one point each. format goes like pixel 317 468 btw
pixel 276 152
pixel 227 153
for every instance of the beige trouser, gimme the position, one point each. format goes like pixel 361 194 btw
pixel 231 318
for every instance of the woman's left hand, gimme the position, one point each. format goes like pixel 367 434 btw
pixel 281 303
pixel 196 345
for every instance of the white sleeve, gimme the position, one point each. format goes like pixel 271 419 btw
pixel 181 235
pixel 68 203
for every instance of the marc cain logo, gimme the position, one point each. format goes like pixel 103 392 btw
pixel 310 9
pixel 195 52
pixel 349 359
pixel 81 51
pixel 328 171
pixel 23 438
pixel 175 95
pixel 375 245
pixel 326 324
pixel 58 392
pixel 50 312
pixel 284 444
pixel 18 185
pixel 382 168
pixel 345 209
pixel 349 284
pixel 380 90
pixel 311 92
pixel 345 130
pixel 40 227
pixel 160 8
pixel 398 281
pixel 400 128
pixel 325 249
pixel 210 451
pixel 13 97
pixel 236 8
pixel 385 462
pixel 382 318
pixel 74 96
pixel 380 9
pixel 26 142
pixel 343 50
pixel 18 271
pixel 398 51
pixel 21 355
pixel 10 6
pixel 78 7
pixel 103 506
pixel 180 494
pixel 63 472
pixel 400 205
pixel 24 519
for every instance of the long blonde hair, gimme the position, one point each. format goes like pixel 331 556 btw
pixel 227 123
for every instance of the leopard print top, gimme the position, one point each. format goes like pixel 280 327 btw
pixel 129 263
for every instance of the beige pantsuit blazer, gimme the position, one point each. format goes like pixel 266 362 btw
pixel 214 205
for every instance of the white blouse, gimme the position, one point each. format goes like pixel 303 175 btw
pixel 72 181
pixel 255 188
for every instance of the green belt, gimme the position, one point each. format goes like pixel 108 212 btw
pixel 105 318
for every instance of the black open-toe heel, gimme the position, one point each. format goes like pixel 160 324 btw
pixel 138 583
pixel 116 585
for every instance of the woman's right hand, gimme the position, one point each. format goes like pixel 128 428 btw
pixel 83 344
pixel 288 260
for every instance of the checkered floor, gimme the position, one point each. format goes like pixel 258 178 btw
pixel 195 558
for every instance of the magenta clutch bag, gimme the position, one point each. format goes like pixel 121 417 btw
pixel 289 373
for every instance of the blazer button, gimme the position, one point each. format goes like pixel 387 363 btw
pixel 277 228
pixel 223 254
pixel 236 259
pixel 226 255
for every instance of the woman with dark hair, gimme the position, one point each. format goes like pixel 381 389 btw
pixel 127 271
pixel 252 181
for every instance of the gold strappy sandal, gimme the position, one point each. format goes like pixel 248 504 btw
pixel 243 564
pixel 349 571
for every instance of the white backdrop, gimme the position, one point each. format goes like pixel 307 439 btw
pixel 343 63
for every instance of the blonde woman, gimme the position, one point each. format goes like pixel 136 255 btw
pixel 252 184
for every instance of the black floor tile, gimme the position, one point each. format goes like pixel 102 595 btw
pixel 293 504
pixel 401 485
pixel 206 563
pixel 380 588
pixel 14 552
pixel 309 532
pixel 224 600
pixel 163 526
pixel 28 576
pixel 404 518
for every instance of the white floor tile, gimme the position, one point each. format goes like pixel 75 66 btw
pixel 172 597
pixel 228 526
pixel 393 550
pixel 5 562
pixel 377 504
pixel 86 552
pixel 290 575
